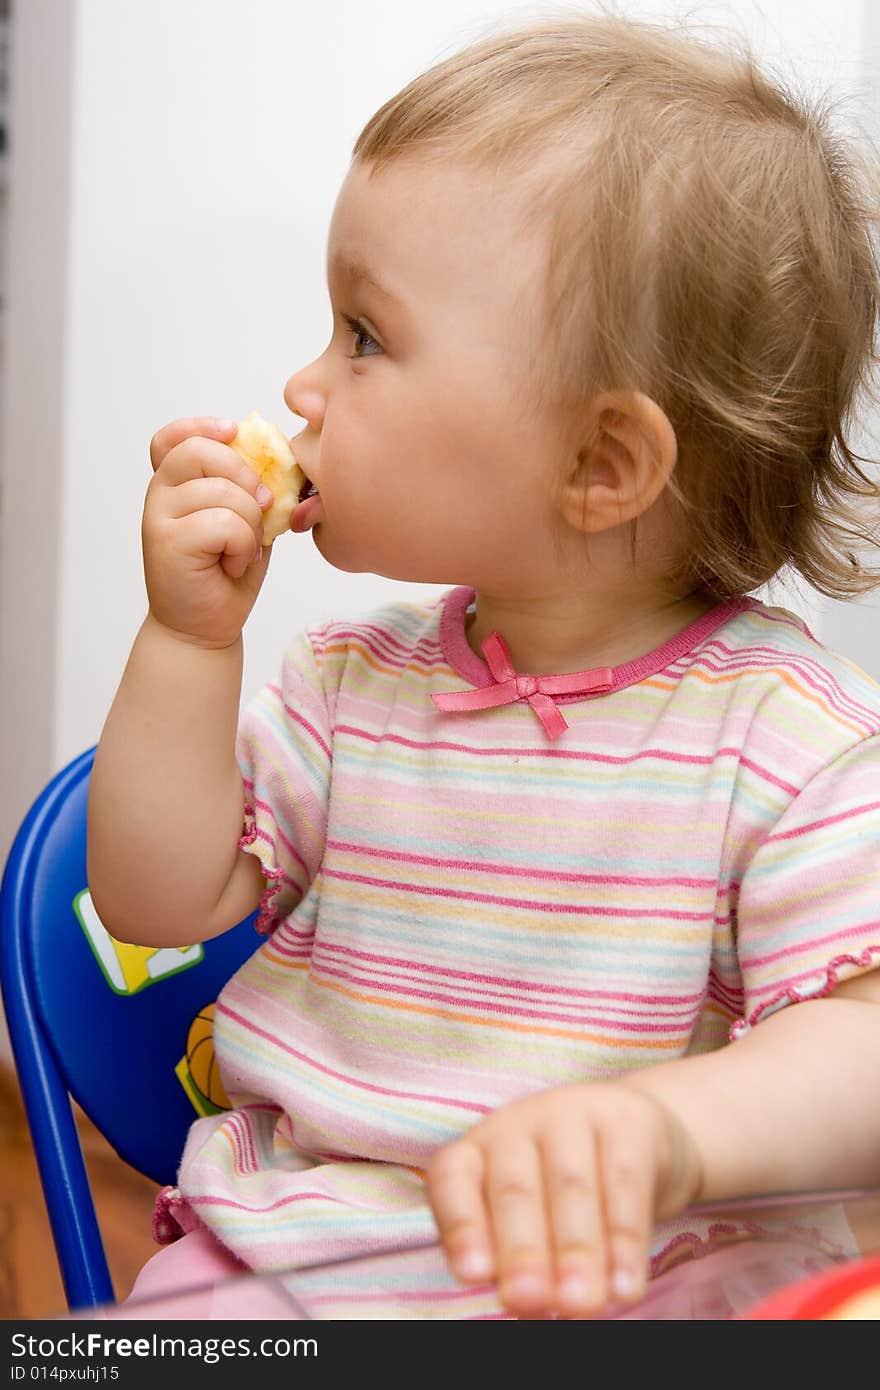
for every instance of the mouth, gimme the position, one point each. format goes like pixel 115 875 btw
pixel 309 509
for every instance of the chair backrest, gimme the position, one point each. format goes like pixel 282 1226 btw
pixel 123 1030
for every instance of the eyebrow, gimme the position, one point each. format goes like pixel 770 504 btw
pixel 357 270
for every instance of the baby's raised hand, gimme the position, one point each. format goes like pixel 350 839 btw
pixel 555 1196
pixel 204 558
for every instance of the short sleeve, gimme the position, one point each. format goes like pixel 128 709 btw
pixel 808 915
pixel 284 752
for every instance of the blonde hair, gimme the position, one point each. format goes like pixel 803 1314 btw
pixel 711 245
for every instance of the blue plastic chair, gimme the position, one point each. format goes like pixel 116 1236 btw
pixel 102 1023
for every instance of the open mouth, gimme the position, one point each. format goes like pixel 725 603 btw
pixel 309 509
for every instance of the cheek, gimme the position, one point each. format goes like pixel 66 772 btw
pixel 362 458
pixel 353 486
pixel 342 449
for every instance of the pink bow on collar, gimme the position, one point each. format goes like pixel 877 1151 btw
pixel 538 690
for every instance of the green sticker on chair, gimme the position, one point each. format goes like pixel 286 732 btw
pixel 129 969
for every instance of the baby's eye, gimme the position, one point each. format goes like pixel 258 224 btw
pixel 361 336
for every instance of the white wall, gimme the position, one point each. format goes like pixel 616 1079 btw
pixel 33 440
pixel 174 169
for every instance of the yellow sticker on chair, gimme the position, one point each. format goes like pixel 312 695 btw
pixel 197 1071
pixel 129 969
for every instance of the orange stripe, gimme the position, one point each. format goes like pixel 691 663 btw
pixel 268 954
pixel 378 665
pixel 452 1017
pixel 760 671
pixel 231 1142
pixel 719 1011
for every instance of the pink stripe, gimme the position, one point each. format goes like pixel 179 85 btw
pixel 827 820
pixel 303 953
pixel 484 1006
pixel 299 719
pixel 239 1158
pixel 302 721
pixel 837 709
pixel 241 1129
pixel 267 810
pixel 361 641
pixel 466 991
pixel 732 1005
pixel 472 977
pixel 273 1206
pixel 576 755
pixel 809 672
pixel 767 776
pixel 798 949
pixel 563 909
pixel 289 929
pixel 325 1155
pixel 335 630
pixel 283 875
pixel 788 992
pixel 517 871
pixel 723 993
pixel 339 627
pixel 464 995
pixel 352 1081
pixel 379 640
pixel 758 610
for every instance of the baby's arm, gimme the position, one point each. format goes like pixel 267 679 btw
pixel 792 1106
pixel 165 799
pixel 555 1196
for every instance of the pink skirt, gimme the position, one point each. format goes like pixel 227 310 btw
pixel 195 1278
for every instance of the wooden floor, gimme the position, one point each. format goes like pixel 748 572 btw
pixel 30 1285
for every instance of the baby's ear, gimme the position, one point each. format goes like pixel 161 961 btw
pixel 625 462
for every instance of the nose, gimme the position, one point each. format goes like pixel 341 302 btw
pixel 304 394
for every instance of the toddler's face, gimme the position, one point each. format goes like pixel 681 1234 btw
pixel 431 463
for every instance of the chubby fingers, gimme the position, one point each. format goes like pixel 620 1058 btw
pixel 197 457
pixel 629 1182
pixel 455 1177
pixel 554 1199
pixel 206 426
pixel 488 1202
pixel 218 509
pixel 600 1186
pixel 222 533
pixel 574 1188
pixel 518 1219
pixel 209 489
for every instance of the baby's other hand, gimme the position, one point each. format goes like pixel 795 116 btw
pixel 555 1196
pixel 202 532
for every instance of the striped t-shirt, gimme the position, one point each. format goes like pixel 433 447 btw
pixel 463 911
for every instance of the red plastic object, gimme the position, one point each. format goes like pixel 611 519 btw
pixel 824 1295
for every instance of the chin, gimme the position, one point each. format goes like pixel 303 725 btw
pixel 346 560
pixel 356 561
